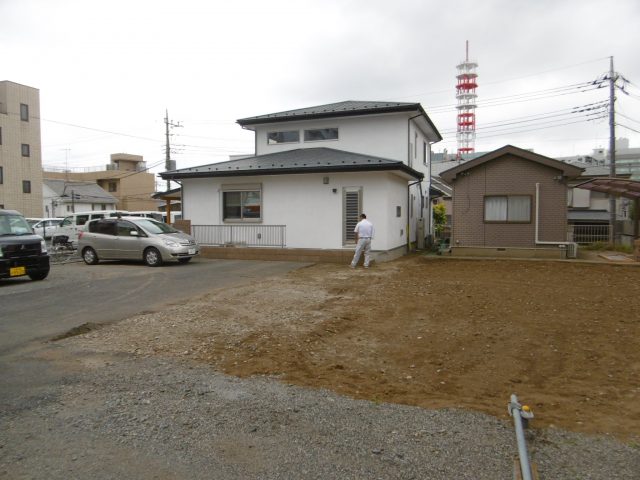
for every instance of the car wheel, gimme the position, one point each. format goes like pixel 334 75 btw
pixel 39 275
pixel 89 256
pixel 152 257
pixel 184 260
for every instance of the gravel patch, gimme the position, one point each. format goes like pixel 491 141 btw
pixel 120 416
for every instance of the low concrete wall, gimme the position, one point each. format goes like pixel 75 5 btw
pixel 294 254
pixel 509 252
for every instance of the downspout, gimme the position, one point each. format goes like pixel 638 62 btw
pixel 574 251
pixel 409 153
pixel 409 211
pixel 429 206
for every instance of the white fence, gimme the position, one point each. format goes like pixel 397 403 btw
pixel 587 234
pixel 241 235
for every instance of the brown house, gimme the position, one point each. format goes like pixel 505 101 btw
pixel 510 202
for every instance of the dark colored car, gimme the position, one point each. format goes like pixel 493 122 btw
pixel 21 251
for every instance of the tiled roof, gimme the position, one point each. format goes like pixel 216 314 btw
pixel 350 107
pixel 302 160
pixel 88 192
pixel 566 168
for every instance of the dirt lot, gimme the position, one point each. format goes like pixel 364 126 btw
pixel 426 331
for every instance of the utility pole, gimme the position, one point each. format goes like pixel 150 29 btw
pixel 169 164
pixel 612 151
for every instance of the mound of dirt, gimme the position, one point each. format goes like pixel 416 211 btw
pixel 430 332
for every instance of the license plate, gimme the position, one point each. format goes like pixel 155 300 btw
pixel 192 251
pixel 17 271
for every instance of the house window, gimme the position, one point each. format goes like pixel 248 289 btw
pixel 424 152
pixel 507 208
pixel 0 135
pixel 352 207
pixel 274 138
pixel 26 186
pixel 113 187
pixel 26 151
pixel 320 134
pixel 1 176
pixel 241 203
pixel 24 112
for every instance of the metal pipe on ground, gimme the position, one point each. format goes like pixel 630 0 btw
pixel 521 416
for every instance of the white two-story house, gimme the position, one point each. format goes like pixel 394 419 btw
pixel 314 171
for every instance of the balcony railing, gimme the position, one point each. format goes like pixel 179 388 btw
pixel 241 235
pixel 588 234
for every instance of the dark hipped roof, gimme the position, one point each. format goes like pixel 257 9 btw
pixel 567 169
pixel 301 160
pixel 340 109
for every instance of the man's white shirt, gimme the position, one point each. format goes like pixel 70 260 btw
pixel 364 229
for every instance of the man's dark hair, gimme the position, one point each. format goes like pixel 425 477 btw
pixel 362 215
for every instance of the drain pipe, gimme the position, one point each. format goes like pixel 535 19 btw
pixel 409 212
pixel 574 249
pixel 521 415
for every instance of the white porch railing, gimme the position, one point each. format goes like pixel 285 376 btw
pixel 587 234
pixel 249 235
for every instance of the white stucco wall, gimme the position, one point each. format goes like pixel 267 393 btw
pixel 311 211
pixel 380 135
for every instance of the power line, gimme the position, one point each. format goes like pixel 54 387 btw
pixel 595 110
pixel 99 130
pixel 536 95
pixel 628 128
pixel 628 118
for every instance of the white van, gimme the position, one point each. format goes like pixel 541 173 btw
pixel 67 231
pixel 175 215
pixel 156 215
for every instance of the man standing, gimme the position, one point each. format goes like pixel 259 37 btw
pixel 364 234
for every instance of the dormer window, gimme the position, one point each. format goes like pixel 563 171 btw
pixel 275 138
pixel 320 134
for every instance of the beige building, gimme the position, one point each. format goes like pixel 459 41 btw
pixel 126 178
pixel 20 149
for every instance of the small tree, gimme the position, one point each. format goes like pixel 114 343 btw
pixel 439 218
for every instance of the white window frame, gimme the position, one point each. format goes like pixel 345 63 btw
pixel 242 189
pixel 304 136
pixel 297 140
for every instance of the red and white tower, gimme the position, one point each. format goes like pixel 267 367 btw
pixel 466 96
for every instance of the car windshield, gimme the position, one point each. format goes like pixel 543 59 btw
pixel 152 226
pixel 14 225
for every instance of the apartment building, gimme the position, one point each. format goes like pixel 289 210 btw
pixel 20 149
pixel 126 178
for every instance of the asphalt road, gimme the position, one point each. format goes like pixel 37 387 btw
pixel 75 293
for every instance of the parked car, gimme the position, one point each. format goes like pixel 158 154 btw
pixel 21 251
pixel 66 233
pixel 147 213
pixel 33 221
pixel 135 238
pixel 46 227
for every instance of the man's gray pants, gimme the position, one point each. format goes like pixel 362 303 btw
pixel 364 244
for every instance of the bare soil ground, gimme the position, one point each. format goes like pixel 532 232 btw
pixel 426 331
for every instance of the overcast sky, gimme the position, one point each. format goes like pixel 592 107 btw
pixel 107 70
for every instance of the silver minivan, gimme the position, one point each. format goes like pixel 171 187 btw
pixel 66 232
pixel 135 238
